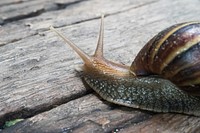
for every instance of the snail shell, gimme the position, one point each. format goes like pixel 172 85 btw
pixel 158 77
pixel 173 54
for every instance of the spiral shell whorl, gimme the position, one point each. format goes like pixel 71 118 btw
pixel 174 53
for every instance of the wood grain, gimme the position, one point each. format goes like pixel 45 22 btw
pixel 38 78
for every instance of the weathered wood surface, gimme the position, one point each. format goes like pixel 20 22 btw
pixel 37 77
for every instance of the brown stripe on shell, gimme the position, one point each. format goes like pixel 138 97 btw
pixel 183 61
pixel 184 70
pixel 142 62
pixel 178 42
pixel 161 38
pixel 188 77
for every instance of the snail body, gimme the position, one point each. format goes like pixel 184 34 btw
pixel 155 81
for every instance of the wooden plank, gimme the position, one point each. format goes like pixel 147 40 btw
pixel 173 123
pixel 21 11
pixel 37 70
pixel 72 14
pixel 36 66
pixel 11 2
pixel 13 11
pixel 84 114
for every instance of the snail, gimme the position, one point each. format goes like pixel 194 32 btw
pixel 164 76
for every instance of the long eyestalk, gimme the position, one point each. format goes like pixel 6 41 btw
pixel 99 48
pixel 85 57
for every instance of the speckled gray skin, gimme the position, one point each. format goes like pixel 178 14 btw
pixel 144 93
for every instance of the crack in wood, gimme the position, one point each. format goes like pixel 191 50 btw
pixel 50 7
pixel 25 113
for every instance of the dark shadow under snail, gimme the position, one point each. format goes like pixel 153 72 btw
pixel 164 76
